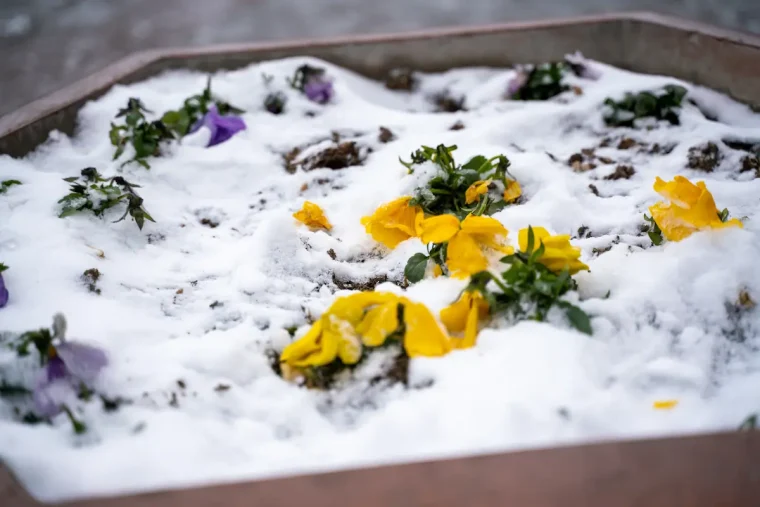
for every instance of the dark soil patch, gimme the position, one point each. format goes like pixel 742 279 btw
pixel 332 254
pixel 385 135
pixel 580 162
pixel 209 222
pixel 401 79
pixel 751 163
pixel 622 172
pixel 445 103
pixel 398 372
pixel 366 285
pixel 705 157
pixel 627 143
pixel 290 160
pixel 594 190
pixel 90 279
pixel 457 126
pixel 335 157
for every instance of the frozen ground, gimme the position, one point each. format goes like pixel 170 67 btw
pixel 45 44
pixel 186 308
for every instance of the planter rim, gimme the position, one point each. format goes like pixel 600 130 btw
pixel 110 75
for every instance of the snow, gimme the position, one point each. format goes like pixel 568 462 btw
pixel 661 333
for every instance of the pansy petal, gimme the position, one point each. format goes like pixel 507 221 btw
pixel 513 191
pixel 424 336
pixel 49 397
pixel 378 324
pixel 454 316
pixel 680 191
pixel 481 225
pixel 83 362
pixel 475 190
pixel 464 256
pixel 303 347
pixel 439 229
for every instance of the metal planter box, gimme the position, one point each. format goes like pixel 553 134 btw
pixel 704 470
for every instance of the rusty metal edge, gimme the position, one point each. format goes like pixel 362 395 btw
pixel 688 471
pixel 99 82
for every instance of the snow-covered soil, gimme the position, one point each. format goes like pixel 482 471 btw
pixel 187 311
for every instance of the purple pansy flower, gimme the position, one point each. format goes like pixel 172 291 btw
pixel 222 127
pixel 69 365
pixel 318 90
pixel 3 292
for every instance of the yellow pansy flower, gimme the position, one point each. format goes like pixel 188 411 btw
pixel 558 252
pixel 337 332
pixel 691 208
pixel 464 315
pixel 464 255
pixel 393 222
pixel 313 216
pixel 475 190
pixel 513 191
pixel 424 336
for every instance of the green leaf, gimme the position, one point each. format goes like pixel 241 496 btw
pixel 67 212
pixel 578 318
pixel 531 241
pixel 3 267
pixel 476 162
pixel 143 163
pixel 415 267
pixel 656 238
pixel 723 215
pixel 750 423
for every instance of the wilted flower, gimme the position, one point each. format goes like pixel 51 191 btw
pixel 475 190
pixel 312 216
pixel 222 127
pixel 393 222
pixel 318 90
pixel 3 289
pixel 513 191
pixel 558 252
pixel 466 239
pixel 464 315
pixel 70 365
pixel 691 208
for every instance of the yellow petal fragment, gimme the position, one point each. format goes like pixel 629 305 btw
pixel 664 404
pixel 513 191
pixel 475 190
pixel 312 216
pixel 438 229
pixel 424 336
pixel 393 222
pixel 487 231
pixel 437 270
pixel 378 324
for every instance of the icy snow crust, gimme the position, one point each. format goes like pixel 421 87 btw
pixel 661 333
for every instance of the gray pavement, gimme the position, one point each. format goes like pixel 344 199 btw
pixel 46 44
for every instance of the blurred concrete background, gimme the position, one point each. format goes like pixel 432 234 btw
pixel 46 44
